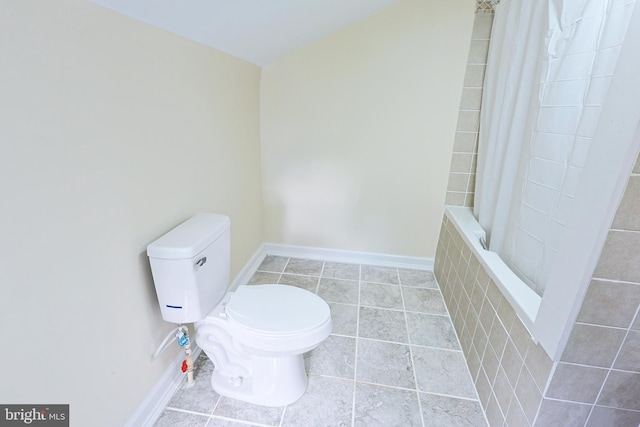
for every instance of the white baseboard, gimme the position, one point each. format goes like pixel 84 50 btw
pixel 160 395
pixel 353 257
pixel 158 398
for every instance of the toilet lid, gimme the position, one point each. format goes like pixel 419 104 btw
pixel 277 309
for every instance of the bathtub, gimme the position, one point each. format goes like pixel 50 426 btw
pixel 523 299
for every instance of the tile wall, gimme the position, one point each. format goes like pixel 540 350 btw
pixel 485 5
pixel 597 380
pixel 465 147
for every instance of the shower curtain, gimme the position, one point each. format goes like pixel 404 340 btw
pixel 549 66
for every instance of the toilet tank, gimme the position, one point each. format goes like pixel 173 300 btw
pixel 190 267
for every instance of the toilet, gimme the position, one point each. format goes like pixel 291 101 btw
pixel 256 335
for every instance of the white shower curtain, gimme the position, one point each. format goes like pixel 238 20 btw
pixel 549 66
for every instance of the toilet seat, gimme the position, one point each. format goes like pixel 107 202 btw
pixel 277 310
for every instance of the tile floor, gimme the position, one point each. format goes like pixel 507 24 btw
pixel 393 358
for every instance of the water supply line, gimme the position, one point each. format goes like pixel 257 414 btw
pixel 181 334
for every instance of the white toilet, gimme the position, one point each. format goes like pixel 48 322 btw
pixel 255 336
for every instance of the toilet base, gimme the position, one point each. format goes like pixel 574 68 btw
pixel 275 381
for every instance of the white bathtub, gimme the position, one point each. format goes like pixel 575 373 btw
pixel 524 301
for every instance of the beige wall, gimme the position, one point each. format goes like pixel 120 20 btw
pixel 112 133
pixel 357 131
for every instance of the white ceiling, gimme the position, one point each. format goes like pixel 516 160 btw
pixel 257 31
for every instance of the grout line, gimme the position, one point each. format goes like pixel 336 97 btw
pixel 395 387
pixel 515 397
pixel 502 412
pixel 284 411
pixel 439 348
pixel 610 368
pixel 217 403
pixel 355 360
pixel 382 308
pixel 413 365
pixel 290 274
pixel 235 420
pixel 613 407
pixel 451 396
pixel 615 281
pixel 283 269
pixel 452 350
pixel 621 328
pixel 579 403
pixel 186 411
pixel 324 263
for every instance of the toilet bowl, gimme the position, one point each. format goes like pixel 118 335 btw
pixel 255 336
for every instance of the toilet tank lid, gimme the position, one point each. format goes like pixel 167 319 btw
pixel 189 238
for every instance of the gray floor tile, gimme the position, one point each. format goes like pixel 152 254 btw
pixel 605 417
pixel 443 411
pixel 224 422
pixel 621 390
pixel 334 357
pixel 310 283
pixel 337 270
pixel 417 278
pixel 381 324
pixel 432 331
pixel 443 372
pixel 423 300
pixel 385 407
pixel 170 418
pixel 344 318
pixel 562 413
pixel 243 411
pixel 384 363
pixel 381 296
pixel 372 273
pixel 327 402
pixel 263 278
pixel 273 263
pixel 336 290
pixel 307 267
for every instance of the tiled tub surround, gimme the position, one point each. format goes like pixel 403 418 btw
pixel 393 358
pixel 509 370
pixel 462 175
pixel 596 382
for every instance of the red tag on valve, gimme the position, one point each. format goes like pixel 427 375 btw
pixel 184 366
